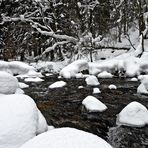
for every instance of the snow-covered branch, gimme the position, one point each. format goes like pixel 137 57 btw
pixel 51 48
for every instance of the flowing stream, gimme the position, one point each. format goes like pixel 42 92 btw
pixel 62 107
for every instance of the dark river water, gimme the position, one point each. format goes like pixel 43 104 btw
pixel 62 107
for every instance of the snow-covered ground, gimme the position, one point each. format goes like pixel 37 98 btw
pixel 74 68
pixel 15 67
pixel 66 138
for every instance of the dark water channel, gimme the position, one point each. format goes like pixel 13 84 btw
pixel 62 107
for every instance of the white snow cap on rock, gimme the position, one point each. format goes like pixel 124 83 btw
pixel 19 120
pixel 92 104
pixel 72 69
pixel 105 74
pixel 134 114
pixel 134 79
pixel 23 85
pixel 96 91
pixel 8 83
pixel 37 79
pixel 58 84
pixel 112 86
pixel 66 138
pixel 143 87
pixel 92 80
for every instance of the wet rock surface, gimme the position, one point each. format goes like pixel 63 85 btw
pixel 62 107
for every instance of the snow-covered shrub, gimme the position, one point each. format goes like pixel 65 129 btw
pixel 20 120
pixel 134 114
pixel 72 69
pixel 92 80
pixel 66 138
pixel 92 104
pixel 8 83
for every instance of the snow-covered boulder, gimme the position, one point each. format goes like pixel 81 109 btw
pixel 72 69
pixel 92 80
pixel 66 138
pixel 19 91
pixel 23 85
pixel 96 91
pixel 143 87
pixel 134 79
pixel 112 86
pixel 58 84
pixel 8 83
pixel 37 79
pixel 134 114
pixel 92 104
pixel 20 120
pixel 105 74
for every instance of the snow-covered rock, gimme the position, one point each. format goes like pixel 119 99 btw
pixel 37 79
pixel 19 120
pixel 50 127
pixel 112 86
pixel 80 87
pixel 66 138
pixel 74 68
pixel 23 85
pixel 92 80
pixel 142 89
pixel 19 91
pixel 92 104
pixel 134 79
pixel 105 74
pixel 79 75
pixel 8 83
pixel 134 114
pixel 96 91
pixel 58 84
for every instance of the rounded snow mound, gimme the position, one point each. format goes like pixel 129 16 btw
pixel 74 68
pixel 143 87
pixel 134 114
pixel 112 86
pixel 92 80
pixel 20 120
pixel 66 138
pixel 105 74
pixel 93 104
pixel 8 83
pixel 57 84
